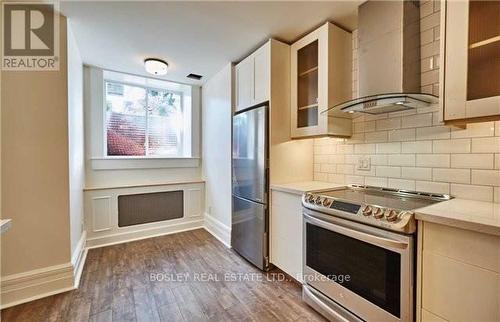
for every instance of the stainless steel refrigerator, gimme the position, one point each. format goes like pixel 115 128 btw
pixel 250 219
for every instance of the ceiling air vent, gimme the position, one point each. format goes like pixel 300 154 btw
pixel 194 76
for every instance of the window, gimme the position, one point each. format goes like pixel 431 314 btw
pixel 146 121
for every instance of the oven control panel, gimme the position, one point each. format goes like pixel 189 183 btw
pixel 374 215
pixel 345 206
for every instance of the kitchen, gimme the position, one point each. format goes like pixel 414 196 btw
pixel 347 169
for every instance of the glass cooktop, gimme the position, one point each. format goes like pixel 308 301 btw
pixel 385 198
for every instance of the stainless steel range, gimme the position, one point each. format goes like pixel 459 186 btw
pixel 359 252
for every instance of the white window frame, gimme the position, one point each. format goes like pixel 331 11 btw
pixel 181 148
pixel 96 136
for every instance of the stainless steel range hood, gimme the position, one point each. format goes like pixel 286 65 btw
pixel 388 59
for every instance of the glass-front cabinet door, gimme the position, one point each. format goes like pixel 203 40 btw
pixel 320 76
pixel 483 64
pixel 471 88
pixel 307 97
pixel 307 85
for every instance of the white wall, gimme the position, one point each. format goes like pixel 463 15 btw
pixel 216 147
pixel 76 140
pixel 168 171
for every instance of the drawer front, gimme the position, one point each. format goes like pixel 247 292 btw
pixel 431 317
pixel 458 291
pixel 466 246
pixel 285 199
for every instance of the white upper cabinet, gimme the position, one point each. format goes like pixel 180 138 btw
pixel 252 78
pixel 261 72
pixel 470 83
pixel 244 84
pixel 321 77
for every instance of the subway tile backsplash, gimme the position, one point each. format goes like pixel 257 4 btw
pixel 412 149
pixel 467 166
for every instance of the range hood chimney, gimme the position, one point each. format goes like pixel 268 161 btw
pixel 388 59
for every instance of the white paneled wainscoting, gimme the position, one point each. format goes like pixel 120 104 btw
pixel 102 212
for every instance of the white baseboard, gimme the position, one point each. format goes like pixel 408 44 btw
pixel 32 285
pixel 78 259
pixel 36 284
pixel 218 230
pixel 149 232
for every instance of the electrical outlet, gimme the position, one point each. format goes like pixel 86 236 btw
pixel 363 163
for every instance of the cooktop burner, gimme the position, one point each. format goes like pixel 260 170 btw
pixel 384 207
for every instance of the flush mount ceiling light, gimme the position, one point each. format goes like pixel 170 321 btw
pixel 155 66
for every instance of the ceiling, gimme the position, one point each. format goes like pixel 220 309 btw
pixel 193 37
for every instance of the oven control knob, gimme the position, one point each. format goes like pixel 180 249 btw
pixel 310 198
pixel 327 202
pixel 391 215
pixel 307 198
pixel 378 213
pixel 367 211
pixel 404 214
pixel 318 200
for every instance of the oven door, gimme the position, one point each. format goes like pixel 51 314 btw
pixel 368 271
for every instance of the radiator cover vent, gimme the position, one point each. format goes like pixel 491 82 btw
pixel 150 207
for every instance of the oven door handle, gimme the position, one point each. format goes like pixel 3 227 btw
pixel 333 313
pixel 372 239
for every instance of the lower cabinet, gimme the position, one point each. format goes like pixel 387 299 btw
pixel 459 274
pixel 286 233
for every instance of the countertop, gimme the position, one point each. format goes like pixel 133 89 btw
pixel 466 214
pixel 305 186
pixel 5 225
pixel 473 215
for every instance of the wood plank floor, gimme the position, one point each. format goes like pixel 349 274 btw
pixel 214 284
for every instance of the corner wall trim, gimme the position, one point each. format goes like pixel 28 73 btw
pixel 218 230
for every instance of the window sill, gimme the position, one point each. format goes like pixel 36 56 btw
pixel 119 163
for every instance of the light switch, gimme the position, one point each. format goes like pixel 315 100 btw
pixel 364 163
